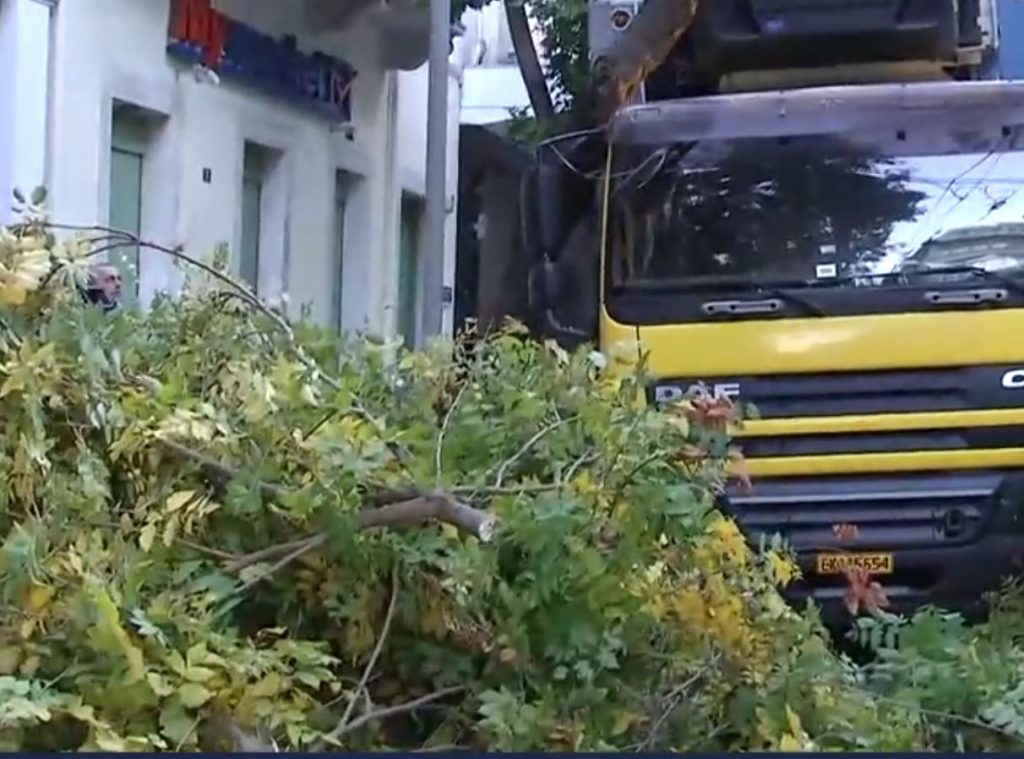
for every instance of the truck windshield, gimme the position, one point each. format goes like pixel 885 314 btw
pixel 884 209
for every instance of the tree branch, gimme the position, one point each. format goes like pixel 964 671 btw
pixel 372 662
pixel 529 63
pixel 405 509
pixel 272 552
pixel 673 698
pixel 211 552
pixel 428 508
pixel 222 472
pixel 499 479
pixel 439 449
pixel 310 544
pixel 391 711
pixel 408 513
pixel 417 511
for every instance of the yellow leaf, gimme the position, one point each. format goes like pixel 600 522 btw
pixel 38 598
pixel 449 531
pixel 789 743
pixel 561 356
pixel 83 713
pixel 729 541
pixel 179 500
pixel 170 530
pixel 193 696
pixel 13 295
pixel 74 562
pixel 29 666
pixel 159 685
pixel 796 739
pixel 108 740
pixel 265 688
pixel 27 628
pixel 198 674
pixel 147 536
pixel 793 719
pixel 625 720
pixel 197 654
pixel 10 658
pixel 784 571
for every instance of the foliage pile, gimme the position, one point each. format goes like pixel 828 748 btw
pixel 210 540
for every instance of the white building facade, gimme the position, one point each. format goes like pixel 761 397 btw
pixel 493 85
pixel 304 154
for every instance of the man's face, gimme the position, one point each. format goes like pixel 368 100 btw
pixel 108 280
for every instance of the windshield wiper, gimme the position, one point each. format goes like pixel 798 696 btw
pixel 745 304
pixel 1010 283
pixel 753 306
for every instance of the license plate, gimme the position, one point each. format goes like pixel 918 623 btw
pixel 838 563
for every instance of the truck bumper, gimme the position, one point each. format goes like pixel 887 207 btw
pixel 959 580
pixel 954 536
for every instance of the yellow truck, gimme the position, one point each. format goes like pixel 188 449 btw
pixel 847 259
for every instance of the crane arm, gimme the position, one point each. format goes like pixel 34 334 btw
pixel 642 47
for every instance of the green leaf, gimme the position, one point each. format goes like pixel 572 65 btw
pixel 193 695
pixel 175 723
pixel 109 635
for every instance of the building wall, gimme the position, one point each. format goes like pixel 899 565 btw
pixel 492 84
pixel 107 51
pixel 24 42
pixel 412 149
pixel 1009 63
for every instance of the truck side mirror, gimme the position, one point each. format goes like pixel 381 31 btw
pixel 568 169
pixel 529 216
pixel 548 285
pixel 551 193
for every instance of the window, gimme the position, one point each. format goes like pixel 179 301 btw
pixel 253 175
pixel 408 267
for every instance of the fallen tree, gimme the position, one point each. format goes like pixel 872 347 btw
pixel 225 532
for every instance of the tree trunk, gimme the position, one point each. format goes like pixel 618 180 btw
pixel 529 63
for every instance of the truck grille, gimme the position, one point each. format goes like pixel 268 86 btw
pixel 890 512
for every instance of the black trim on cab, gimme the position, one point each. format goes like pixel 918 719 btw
pixel 896 391
pixel 646 307
pixel 819 444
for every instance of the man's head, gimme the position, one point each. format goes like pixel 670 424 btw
pixel 106 278
pixel 105 285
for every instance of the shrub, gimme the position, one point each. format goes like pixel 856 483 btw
pixel 222 532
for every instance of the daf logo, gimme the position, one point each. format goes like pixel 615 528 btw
pixel 718 390
pixel 1013 379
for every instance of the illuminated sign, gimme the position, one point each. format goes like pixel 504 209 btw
pixel 201 35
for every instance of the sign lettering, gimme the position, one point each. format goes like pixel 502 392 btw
pixel 1013 379
pixel 200 34
pixel 719 391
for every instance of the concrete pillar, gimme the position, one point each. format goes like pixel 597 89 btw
pixel 24 96
pixel 382 312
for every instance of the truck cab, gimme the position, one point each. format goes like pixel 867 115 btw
pixel 841 260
